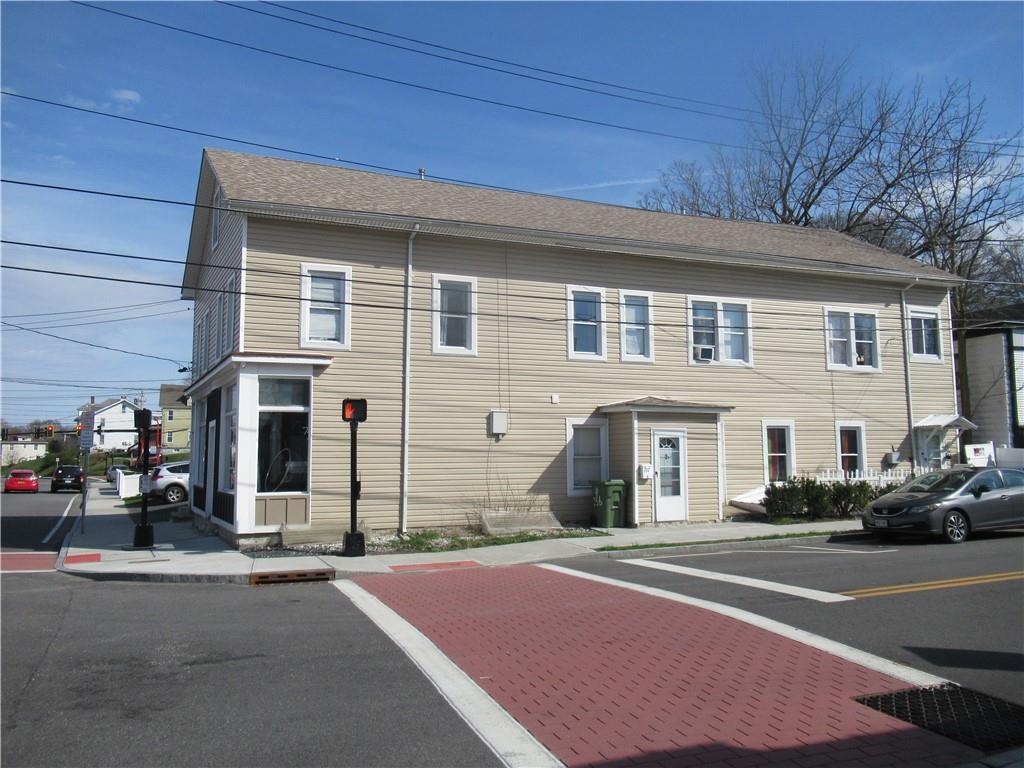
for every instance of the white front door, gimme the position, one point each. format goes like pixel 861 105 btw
pixel 668 447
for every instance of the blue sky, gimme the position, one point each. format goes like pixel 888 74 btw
pixel 80 56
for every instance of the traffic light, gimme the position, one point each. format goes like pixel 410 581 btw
pixel 353 410
pixel 78 430
pixel 49 430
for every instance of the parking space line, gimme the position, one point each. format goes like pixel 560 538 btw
pixel 61 521
pixel 746 581
pixel 838 551
pixel 966 581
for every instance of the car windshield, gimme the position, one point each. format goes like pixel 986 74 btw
pixel 934 482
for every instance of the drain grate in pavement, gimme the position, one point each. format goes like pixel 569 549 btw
pixel 961 714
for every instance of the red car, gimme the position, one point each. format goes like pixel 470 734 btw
pixel 22 480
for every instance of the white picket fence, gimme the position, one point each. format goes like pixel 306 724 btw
pixel 875 478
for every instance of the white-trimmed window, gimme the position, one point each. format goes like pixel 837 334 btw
pixel 218 202
pixel 637 316
pixel 326 298
pixel 850 446
pixel 199 364
pixel 585 318
pixel 851 338
pixel 779 449
pixel 170 437
pixel 221 319
pixel 228 438
pixel 586 451
pixel 719 331
pixel 170 414
pixel 282 448
pixel 199 444
pixel 454 314
pixel 925 339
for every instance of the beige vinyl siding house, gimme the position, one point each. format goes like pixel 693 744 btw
pixel 650 347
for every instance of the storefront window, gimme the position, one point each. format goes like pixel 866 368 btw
pixel 283 449
pixel 228 440
pixel 200 443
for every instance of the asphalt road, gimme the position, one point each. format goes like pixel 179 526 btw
pixel 26 519
pixel 969 630
pixel 123 674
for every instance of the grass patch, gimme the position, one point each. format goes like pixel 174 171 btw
pixel 132 501
pixel 440 541
pixel 626 547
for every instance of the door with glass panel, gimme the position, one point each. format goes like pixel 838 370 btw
pixel 669 452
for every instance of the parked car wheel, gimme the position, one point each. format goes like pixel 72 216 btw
pixel 174 494
pixel 955 527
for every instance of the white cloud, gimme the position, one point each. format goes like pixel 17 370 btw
pixel 126 96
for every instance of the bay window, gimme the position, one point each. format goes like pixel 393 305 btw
pixel 283 443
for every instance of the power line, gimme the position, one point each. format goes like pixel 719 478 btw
pixel 95 310
pixel 584 89
pixel 706 249
pixel 417 86
pixel 561 300
pixel 307 154
pixel 560 319
pixel 85 343
pixel 102 322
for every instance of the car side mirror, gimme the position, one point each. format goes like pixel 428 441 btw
pixel 980 489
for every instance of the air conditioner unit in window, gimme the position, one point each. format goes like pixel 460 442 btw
pixel 703 353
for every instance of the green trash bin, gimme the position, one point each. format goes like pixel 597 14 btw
pixel 609 503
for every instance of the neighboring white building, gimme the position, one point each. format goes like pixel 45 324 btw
pixel 21 450
pixel 118 414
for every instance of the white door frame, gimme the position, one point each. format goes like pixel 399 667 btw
pixel 211 461
pixel 684 485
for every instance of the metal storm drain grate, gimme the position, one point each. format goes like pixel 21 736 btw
pixel 961 714
pixel 290 577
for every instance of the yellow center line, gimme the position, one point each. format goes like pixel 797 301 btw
pixel 968 581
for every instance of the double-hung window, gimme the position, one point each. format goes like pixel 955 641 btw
pixel 779 450
pixel 586 453
pixel 454 310
pixel 850 446
pixel 636 326
pixel 852 340
pixel 720 331
pixel 326 302
pixel 925 341
pixel 586 339
pixel 282 463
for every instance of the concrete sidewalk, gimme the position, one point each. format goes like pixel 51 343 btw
pixel 102 550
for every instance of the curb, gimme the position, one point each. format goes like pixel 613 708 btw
pixel 720 546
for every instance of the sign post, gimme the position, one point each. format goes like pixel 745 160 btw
pixel 144 531
pixel 86 425
pixel 354 411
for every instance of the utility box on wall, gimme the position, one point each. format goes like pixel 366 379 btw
pixel 497 423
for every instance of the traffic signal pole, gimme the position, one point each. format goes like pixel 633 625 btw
pixel 354 411
pixel 144 531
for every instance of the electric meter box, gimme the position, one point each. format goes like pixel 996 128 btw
pixel 498 423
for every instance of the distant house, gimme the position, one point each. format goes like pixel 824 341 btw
pixel 21 449
pixel 995 361
pixel 516 347
pixel 114 414
pixel 176 417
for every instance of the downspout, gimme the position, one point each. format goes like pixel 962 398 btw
pixel 403 482
pixel 905 328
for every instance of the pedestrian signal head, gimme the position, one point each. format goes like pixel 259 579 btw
pixel 353 410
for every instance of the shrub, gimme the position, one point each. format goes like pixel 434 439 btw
pixel 785 499
pixel 850 497
pixel 817 498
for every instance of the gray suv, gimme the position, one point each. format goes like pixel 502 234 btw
pixel 951 503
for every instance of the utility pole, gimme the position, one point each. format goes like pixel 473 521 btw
pixel 144 531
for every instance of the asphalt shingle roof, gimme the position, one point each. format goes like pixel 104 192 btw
pixel 267 180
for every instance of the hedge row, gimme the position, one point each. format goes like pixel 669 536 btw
pixel 806 497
